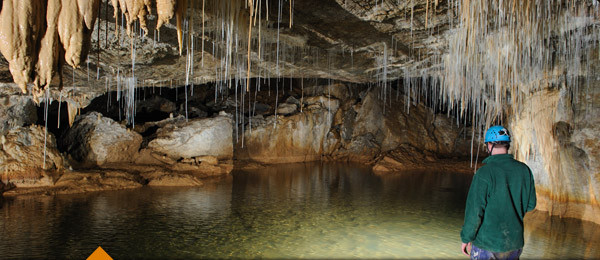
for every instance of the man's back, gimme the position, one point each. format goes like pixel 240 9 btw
pixel 501 193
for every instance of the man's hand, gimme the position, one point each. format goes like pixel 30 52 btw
pixel 466 248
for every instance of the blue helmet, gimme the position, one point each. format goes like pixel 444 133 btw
pixel 497 134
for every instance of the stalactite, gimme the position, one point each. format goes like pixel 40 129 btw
pixel 48 63
pixel 75 37
pixel 72 110
pixel 165 10
pixel 73 30
pixel 135 10
pixel 426 12
pixel 203 21
pixel 115 4
pixel 179 16
pixel 251 6
pixel 33 47
pixel 502 51
pixel 19 34
pixel 46 104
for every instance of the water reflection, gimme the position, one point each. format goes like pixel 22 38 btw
pixel 553 237
pixel 296 210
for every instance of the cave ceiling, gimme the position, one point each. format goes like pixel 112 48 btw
pixel 473 50
pixel 346 40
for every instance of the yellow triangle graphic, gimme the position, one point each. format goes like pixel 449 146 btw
pixel 99 254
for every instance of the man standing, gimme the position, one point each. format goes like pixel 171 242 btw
pixel 501 193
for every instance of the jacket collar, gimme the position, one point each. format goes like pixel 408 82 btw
pixel 498 157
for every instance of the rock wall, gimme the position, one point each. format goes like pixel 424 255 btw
pixel 557 135
pixel 375 131
pixel 16 111
pixel 300 137
pixel 344 124
pixel 22 155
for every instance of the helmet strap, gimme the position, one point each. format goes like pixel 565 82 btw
pixel 492 149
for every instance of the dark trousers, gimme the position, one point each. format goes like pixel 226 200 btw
pixel 479 254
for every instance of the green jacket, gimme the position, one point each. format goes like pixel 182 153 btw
pixel 501 192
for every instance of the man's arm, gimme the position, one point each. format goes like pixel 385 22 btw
pixel 476 202
pixel 532 197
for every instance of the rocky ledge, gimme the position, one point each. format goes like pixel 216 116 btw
pixel 331 122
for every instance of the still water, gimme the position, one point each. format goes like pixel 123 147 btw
pixel 285 211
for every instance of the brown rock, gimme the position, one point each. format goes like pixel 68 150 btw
pixel 16 111
pixel 97 140
pixel 388 164
pixel 197 137
pixel 77 182
pixel 298 138
pixel 160 178
pixel 22 157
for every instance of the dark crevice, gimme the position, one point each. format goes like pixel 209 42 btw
pixel 55 125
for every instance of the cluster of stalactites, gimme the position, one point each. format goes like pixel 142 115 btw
pixel 36 38
pixel 138 10
pixel 231 14
pixel 504 50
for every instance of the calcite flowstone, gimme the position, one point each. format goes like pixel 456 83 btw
pixel 560 144
pixel 22 157
pixel 98 140
pixel 297 138
pixel 196 137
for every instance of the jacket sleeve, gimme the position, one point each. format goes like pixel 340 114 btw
pixel 532 196
pixel 476 202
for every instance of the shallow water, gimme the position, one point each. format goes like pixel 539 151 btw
pixel 293 210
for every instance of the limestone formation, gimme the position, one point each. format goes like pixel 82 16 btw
pixel 33 35
pixel 98 140
pixel 196 137
pixel 75 28
pixel 86 181
pixel 354 129
pixel 16 111
pixel 296 138
pixel 165 10
pixel 371 131
pixel 49 53
pixel 19 34
pixel 286 109
pixel 135 10
pixel 564 139
pixel 29 157
pixel 160 178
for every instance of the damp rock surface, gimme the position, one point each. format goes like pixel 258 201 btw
pixel 296 138
pixel 559 142
pixel 196 137
pixel 96 140
pixel 16 111
pixel 368 132
pixel 22 157
pixel 351 128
